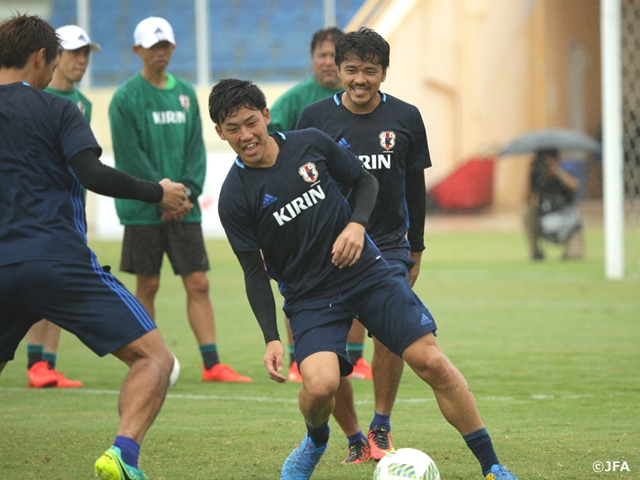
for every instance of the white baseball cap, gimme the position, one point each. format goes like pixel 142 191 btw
pixel 73 37
pixel 152 30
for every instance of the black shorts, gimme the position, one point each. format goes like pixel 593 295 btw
pixel 143 248
pixel 382 300
pixel 82 298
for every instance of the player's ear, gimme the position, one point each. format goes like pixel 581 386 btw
pixel 267 115
pixel 219 132
pixel 384 75
pixel 40 56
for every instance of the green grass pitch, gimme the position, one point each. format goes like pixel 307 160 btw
pixel 551 351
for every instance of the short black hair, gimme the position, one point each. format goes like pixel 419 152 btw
pixel 23 35
pixel 331 34
pixel 366 44
pixel 230 95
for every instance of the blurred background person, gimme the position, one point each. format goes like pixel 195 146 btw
pixel 322 84
pixel 551 212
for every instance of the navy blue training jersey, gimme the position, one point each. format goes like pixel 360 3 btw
pixel 41 207
pixel 390 141
pixel 293 211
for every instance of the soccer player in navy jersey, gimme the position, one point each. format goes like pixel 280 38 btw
pixel 389 137
pixel 282 208
pixel 47 154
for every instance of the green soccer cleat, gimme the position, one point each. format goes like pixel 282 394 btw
pixel 110 466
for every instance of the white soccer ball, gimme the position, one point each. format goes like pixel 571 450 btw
pixel 406 463
pixel 175 373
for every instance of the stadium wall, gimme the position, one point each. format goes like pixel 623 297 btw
pixel 483 71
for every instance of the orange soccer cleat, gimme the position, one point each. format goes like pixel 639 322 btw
pixel 362 370
pixel 294 373
pixel 64 382
pixel 223 373
pixel 41 376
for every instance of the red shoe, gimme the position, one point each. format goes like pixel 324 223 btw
pixel 64 382
pixel 294 373
pixel 223 373
pixel 380 441
pixel 41 376
pixel 359 452
pixel 362 370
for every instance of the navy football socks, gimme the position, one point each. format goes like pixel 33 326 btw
pixel 129 449
pixel 480 444
pixel 380 421
pixel 319 435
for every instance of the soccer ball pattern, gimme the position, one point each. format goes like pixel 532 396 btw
pixel 406 463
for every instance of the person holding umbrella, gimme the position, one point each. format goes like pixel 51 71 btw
pixel 551 212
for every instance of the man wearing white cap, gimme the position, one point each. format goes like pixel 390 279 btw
pixel 43 337
pixel 73 60
pixel 157 131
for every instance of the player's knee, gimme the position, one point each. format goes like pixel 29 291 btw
pixel 149 287
pixel 197 283
pixel 437 370
pixel 319 389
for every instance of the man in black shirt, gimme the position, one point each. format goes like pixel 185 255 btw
pixel 389 137
pixel 281 208
pixel 47 154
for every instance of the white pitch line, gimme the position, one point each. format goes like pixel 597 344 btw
pixel 293 400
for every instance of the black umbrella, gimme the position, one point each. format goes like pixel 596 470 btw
pixel 552 139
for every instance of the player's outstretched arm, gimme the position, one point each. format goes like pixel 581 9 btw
pixel 104 180
pixel 174 195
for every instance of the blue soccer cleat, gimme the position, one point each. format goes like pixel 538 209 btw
pixel 301 463
pixel 500 472
pixel 110 466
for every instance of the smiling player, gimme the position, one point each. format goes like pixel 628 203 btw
pixel 389 137
pixel 281 206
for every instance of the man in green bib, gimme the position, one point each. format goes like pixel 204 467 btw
pixel 73 61
pixel 157 133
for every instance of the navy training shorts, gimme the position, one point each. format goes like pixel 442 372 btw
pixel 82 298
pixel 382 300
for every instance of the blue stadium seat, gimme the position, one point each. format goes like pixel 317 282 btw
pixel 264 40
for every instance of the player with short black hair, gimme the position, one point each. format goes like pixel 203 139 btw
pixel 389 137
pixel 47 154
pixel 281 203
pixel 43 337
pixel 367 45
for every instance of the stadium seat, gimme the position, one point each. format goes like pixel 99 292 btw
pixel 265 40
